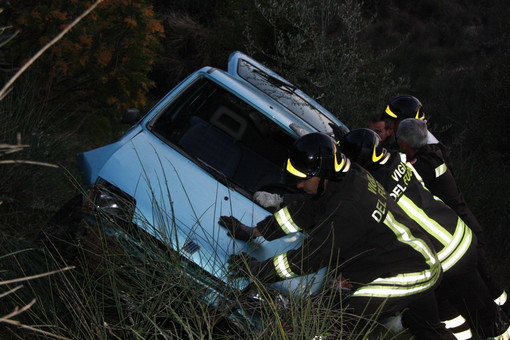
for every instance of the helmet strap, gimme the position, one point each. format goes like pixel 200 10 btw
pixel 320 188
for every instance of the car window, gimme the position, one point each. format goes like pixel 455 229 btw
pixel 285 93
pixel 226 136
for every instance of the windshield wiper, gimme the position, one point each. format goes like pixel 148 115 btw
pixel 220 176
pixel 285 86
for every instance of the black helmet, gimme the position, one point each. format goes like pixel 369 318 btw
pixel 315 155
pixel 402 107
pixel 363 147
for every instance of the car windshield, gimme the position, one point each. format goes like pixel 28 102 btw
pixel 285 94
pixel 223 134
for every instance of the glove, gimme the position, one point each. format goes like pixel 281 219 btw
pixel 267 199
pixel 338 131
pixel 243 265
pixel 235 228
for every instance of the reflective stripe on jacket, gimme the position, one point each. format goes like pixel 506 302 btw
pixel 355 228
pixel 450 235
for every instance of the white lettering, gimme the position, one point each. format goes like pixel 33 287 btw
pixel 380 210
pixel 397 191
pixel 377 215
pixel 399 171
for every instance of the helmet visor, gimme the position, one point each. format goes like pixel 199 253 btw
pixel 292 170
pixel 306 174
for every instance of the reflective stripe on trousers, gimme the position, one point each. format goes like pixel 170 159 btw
pixel 459 327
pixel 504 336
pixel 501 300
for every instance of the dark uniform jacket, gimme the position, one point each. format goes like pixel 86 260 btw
pixel 390 143
pixel 430 163
pixel 355 227
pixel 449 234
pixel 438 177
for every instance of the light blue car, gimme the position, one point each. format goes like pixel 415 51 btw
pixel 200 153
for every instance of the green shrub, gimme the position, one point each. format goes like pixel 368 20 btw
pixel 318 46
pixel 103 63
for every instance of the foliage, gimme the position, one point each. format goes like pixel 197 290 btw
pixel 427 36
pixel 317 46
pixel 6 33
pixel 186 45
pixel 102 63
pixel 241 25
pixel 24 122
pixel 473 102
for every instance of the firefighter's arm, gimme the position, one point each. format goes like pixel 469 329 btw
pixel 297 216
pixel 427 173
pixel 238 230
pixel 244 265
pixel 272 227
pixel 281 267
pixel 305 260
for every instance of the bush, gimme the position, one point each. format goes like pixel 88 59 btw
pixel 318 47
pixel 103 63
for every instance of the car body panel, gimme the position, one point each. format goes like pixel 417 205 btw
pixel 89 163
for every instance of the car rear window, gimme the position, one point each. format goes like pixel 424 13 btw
pixel 226 136
pixel 284 93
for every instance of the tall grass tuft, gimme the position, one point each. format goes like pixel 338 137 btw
pixel 132 284
pixel 118 292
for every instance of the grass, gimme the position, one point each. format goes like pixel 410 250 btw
pixel 142 290
pixel 111 294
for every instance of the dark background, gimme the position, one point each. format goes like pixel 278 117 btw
pixel 352 57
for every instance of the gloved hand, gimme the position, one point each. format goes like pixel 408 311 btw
pixel 235 228
pixel 267 199
pixel 338 131
pixel 243 265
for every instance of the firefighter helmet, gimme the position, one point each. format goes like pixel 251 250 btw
pixel 402 107
pixel 315 155
pixel 363 146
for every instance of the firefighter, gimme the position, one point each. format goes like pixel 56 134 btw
pixel 383 128
pixel 462 285
pixel 355 229
pixel 402 107
pixel 429 162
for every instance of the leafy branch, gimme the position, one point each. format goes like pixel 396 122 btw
pixel 36 56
